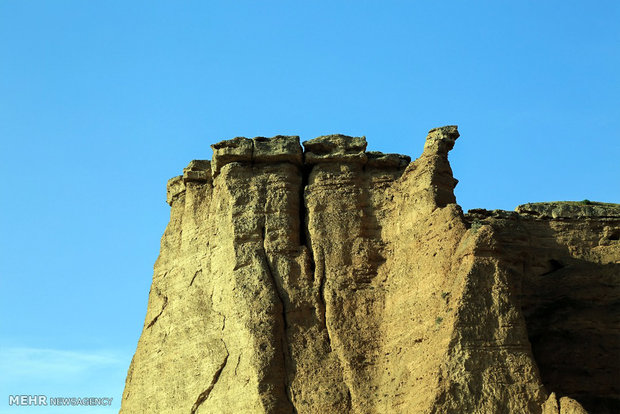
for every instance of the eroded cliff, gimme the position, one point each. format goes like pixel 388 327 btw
pixel 335 280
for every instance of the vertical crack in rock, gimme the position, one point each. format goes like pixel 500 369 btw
pixel 349 399
pixel 202 397
pixel 160 312
pixel 322 303
pixel 305 239
pixel 317 269
pixel 194 277
pixel 284 335
pixel 238 362
pixel 304 236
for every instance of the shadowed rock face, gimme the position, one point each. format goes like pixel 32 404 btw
pixel 567 263
pixel 335 280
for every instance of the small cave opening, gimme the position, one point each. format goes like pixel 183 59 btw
pixel 554 266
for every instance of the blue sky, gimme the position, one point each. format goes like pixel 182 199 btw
pixel 102 102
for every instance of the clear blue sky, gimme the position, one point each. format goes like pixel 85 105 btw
pixel 102 102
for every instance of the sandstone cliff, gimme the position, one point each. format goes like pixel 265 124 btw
pixel 335 280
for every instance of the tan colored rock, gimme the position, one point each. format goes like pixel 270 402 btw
pixel 335 148
pixel 570 406
pixel 551 406
pixel 566 405
pixel 380 160
pixel 198 171
pixel 238 149
pixel 441 140
pixel 564 209
pixel 277 149
pixel 175 187
pixel 353 283
pixel 568 275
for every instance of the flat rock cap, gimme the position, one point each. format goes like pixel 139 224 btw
pixel 336 148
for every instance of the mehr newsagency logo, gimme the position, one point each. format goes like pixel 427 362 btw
pixel 44 400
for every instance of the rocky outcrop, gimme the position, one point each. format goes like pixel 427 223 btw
pixel 568 210
pixel 567 265
pixel 336 280
pixel 565 405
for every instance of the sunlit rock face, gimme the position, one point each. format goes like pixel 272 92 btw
pixel 329 279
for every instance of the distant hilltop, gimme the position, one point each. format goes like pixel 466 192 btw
pixel 329 279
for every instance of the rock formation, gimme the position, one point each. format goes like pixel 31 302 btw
pixel 335 280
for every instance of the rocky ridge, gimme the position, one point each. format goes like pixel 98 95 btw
pixel 336 280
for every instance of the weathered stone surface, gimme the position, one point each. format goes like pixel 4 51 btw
pixel 441 140
pixel 570 406
pixel 238 149
pixel 335 148
pixel 566 405
pixel 355 284
pixel 551 406
pixel 278 149
pixel 175 188
pixel 380 160
pixel 198 171
pixel 568 275
pixel 563 209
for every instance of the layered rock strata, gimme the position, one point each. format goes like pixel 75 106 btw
pixel 336 280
